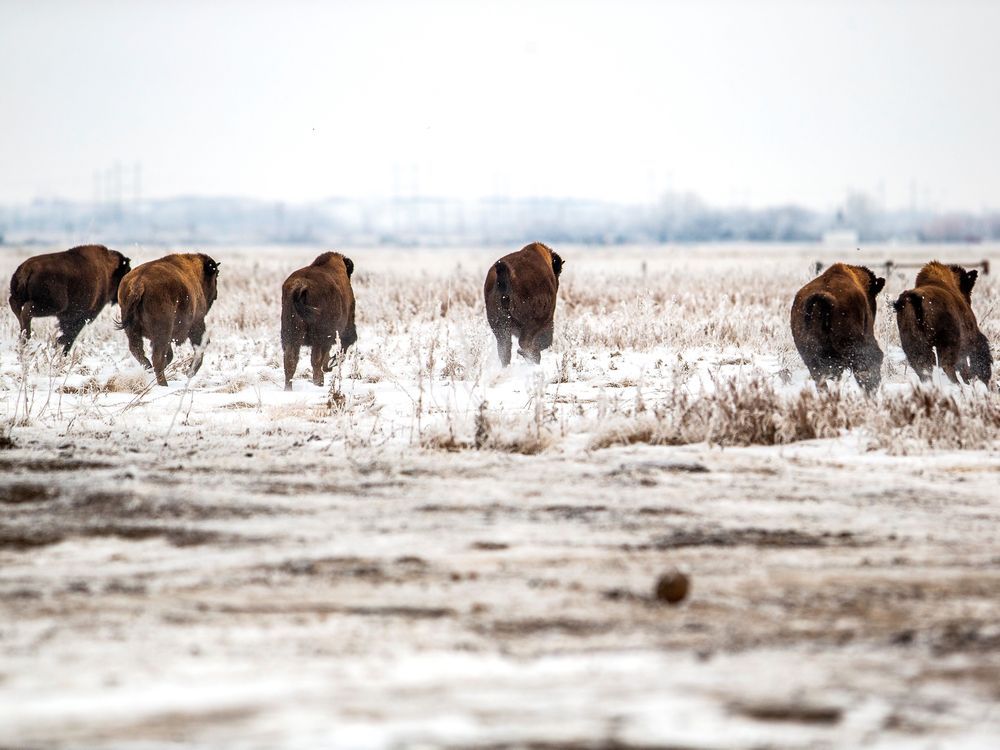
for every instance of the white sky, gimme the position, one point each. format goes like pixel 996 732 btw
pixel 748 103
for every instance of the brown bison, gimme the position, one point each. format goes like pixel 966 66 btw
pixel 520 296
pixel 937 325
pixel 73 285
pixel 833 325
pixel 317 310
pixel 166 301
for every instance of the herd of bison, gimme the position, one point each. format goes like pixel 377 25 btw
pixel 166 301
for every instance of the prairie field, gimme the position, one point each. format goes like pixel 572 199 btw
pixel 434 551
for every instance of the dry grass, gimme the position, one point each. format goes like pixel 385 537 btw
pixel 754 412
pixel 660 345
pixel 127 382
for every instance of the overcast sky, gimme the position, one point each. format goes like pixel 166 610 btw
pixel 743 103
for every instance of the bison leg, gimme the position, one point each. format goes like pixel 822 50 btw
pixel 527 347
pixel 350 335
pixel 199 342
pixel 922 362
pixel 71 328
pixel 981 361
pixel 502 333
pixel 868 378
pixel 24 318
pixel 969 367
pixel 543 339
pixel 529 353
pixel 821 372
pixel 135 346
pixel 320 356
pixel 159 351
pixel 197 362
pixel 867 368
pixel 530 347
pixel 329 359
pixel 291 362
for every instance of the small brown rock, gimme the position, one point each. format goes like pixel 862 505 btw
pixel 672 587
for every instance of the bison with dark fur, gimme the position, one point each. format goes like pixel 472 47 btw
pixel 833 325
pixel 937 325
pixel 317 310
pixel 520 291
pixel 166 301
pixel 73 285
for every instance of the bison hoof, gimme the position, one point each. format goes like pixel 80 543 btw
pixel 288 386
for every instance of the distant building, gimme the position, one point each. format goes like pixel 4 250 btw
pixel 840 238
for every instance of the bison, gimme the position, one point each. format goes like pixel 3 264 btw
pixel 937 325
pixel 520 293
pixel 833 325
pixel 73 285
pixel 317 310
pixel 166 301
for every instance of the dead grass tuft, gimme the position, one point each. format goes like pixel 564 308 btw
pixel 504 433
pixel 127 382
pixel 753 412
pixel 444 439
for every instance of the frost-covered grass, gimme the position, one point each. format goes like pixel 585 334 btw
pixel 665 345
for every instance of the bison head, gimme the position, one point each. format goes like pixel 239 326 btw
pixel 875 285
pixel 210 278
pixel 557 263
pixel 120 266
pixel 331 257
pixel 965 280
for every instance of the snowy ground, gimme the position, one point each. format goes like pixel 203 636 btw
pixel 434 552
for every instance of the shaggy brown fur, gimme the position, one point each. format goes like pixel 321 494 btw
pixel 73 285
pixel 937 325
pixel 520 293
pixel 166 301
pixel 833 325
pixel 317 309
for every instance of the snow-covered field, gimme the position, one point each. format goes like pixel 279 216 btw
pixel 432 551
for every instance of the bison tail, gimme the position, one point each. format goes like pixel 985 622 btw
pixel 18 289
pixel 130 309
pixel 819 308
pixel 503 284
pixel 300 303
pixel 915 302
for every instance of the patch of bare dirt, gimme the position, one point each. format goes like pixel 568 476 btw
pixel 753 537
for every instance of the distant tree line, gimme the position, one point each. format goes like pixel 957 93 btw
pixel 429 221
